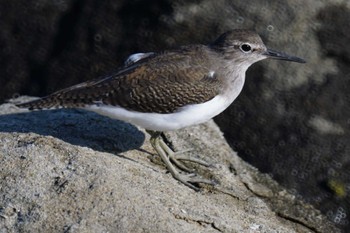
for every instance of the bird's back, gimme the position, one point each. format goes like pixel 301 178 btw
pixel 159 83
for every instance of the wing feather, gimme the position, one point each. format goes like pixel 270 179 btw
pixel 161 84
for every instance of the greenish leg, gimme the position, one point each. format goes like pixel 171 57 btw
pixel 168 156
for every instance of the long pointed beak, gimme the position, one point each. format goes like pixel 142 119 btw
pixel 282 56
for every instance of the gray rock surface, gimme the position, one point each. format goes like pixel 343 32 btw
pixel 75 171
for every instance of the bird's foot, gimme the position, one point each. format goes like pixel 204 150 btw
pixel 191 179
pixel 175 157
pixel 171 158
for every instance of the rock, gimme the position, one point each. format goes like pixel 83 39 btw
pixel 75 171
pixel 291 120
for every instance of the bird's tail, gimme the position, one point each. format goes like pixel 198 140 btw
pixel 51 102
pixel 76 96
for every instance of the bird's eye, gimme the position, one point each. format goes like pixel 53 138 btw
pixel 246 48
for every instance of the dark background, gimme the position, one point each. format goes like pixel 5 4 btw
pixel 291 120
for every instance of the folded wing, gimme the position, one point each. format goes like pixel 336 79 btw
pixel 159 83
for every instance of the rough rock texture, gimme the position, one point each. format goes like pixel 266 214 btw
pixel 291 120
pixel 75 171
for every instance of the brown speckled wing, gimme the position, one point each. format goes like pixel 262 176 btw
pixel 159 84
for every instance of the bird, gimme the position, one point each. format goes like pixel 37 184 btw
pixel 170 90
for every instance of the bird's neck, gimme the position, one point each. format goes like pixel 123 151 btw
pixel 233 83
pixel 231 72
pixel 232 77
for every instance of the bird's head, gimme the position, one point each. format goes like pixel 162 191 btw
pixel 246 47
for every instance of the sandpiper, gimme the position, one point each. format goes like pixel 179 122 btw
pixel 170 90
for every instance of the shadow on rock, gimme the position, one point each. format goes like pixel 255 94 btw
pixel 77 127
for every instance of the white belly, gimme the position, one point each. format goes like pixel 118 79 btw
pixel 186 116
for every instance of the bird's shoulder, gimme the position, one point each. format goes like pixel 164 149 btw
pixel 183 63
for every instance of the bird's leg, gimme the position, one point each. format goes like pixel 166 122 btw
pixel 179 155
pixel 176 156
pixel 168 156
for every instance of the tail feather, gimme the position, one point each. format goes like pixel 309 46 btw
pixel 48 102
pixel 34 104
pixel 59 100
pixel 72 97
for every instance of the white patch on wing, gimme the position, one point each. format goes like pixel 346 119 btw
pixel 136 57
pixel 211 74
